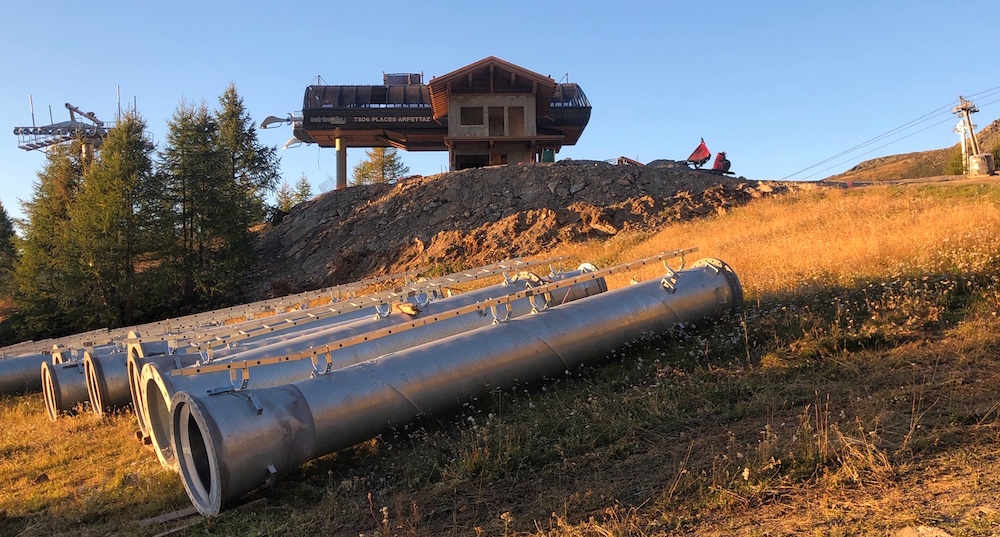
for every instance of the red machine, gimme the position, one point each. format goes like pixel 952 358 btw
pixel 701 155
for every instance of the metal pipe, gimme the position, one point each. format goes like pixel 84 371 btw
pixel 22 374
pixel 64 386
pixel 230 444
pixel 107 381
pixel 137 357
pixel 158 386
pixel 161 353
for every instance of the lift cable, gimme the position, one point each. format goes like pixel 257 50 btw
pixel 910 124
pixel 877 148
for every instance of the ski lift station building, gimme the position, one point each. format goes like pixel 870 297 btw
pixel 488 113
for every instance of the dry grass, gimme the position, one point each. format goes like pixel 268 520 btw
pixel 856 395
pixel 80 475
pixel 835 236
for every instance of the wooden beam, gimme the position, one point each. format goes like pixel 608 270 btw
pixel 168 517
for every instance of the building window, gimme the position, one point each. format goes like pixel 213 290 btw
pixel 515 121
pixel 498 127
pixel 471 115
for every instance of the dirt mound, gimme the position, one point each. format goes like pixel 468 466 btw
pixel 480 216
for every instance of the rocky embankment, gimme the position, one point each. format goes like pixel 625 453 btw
pixel 480 216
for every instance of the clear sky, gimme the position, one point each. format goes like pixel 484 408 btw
pixel 779 85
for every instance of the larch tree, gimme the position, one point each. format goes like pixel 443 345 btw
pixel 108 225
pixel 8 253
pixel 383 165
pixel 285 198
pixel 199 195
pixel 303 190
pixel 254 168
pixel 46 277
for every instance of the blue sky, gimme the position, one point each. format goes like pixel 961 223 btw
pixel 780 86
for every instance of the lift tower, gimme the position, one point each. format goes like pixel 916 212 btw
pixel 92 132
pixel 977 162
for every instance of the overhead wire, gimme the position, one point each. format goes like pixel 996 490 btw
pixel 908 125
pixel 877 148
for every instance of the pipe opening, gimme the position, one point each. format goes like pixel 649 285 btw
pixel 49 392
pixel 93 388
pixel 195 463
pixel 158 419
pixel 135 388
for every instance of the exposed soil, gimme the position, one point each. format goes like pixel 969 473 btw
pixel 474 217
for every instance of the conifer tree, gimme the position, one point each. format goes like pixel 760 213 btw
pixel 285 198
pixel 8 254
pixel 212 248
pixel 303 190
pixel 192 169
pixel 108 227
pixel 252 166
pixel 46 276
pixel 382 166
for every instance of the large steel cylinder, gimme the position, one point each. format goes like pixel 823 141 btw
pixel 22 374
pixel 159 350
pixel 64 386
pixel 135 360
pixel 231 443
pixel 158 386
pixel 107 381
pixel 221 336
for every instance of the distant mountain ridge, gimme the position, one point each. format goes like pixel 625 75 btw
pixel 931 163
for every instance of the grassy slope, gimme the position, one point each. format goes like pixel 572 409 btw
pixel 930 163
pixel 857 395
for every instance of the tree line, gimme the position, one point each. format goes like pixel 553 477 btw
pixel 131 233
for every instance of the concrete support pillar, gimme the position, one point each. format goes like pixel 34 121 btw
pixel 341 164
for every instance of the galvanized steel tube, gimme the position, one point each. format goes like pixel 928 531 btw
pixel 136 358
pixel 231 443
pixel 107 381
pixel 158 386
pixel 22 374
pixel 64 386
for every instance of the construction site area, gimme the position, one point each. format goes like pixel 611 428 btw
pixel 382 309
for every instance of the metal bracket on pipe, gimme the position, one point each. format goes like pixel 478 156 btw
pixel 382 310
pixel 317 371
pixel 246 378
pixel 421 299
pixel 546 302
pixel 496 316
pixel 669 282
pixel 257 408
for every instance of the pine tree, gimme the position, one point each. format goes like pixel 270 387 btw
pixel 108 227
pixel 199 194
pixel 8 254
pixel 285 198
pixel 303 190
pixel 252 166
pixel 382 166
pixel 46 277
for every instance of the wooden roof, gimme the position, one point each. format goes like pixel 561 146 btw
pixel 487 76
